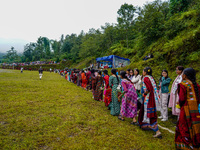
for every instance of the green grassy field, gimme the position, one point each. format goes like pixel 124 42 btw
pixel 54 114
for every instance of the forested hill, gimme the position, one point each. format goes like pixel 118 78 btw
pixel 168 30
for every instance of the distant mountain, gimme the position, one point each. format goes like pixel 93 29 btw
pixel 6 44
pixel 1 55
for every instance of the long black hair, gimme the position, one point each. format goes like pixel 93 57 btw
pixel 181 68
pixel 105 72
pixel 148 70
pixel 92 72
pixel 166 76
pixel 137 71
pixel 99 72
pixel 114 71
pixel 191 75
pixel 124 76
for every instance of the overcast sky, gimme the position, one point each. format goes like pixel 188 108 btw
pixel 23 21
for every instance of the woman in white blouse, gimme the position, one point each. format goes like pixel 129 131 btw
pixel 136 80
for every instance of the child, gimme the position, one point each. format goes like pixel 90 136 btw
pixel 164 89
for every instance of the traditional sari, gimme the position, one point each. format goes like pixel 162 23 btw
pixel 75 78
pixel 114 105
pixel 93 78
pixel 188 126
pixel 84 80
pixel 129 100
pixel 174 98
pixel 79 83
pixel 72 76
pixel 148 117
pixel 69 74
pixel 66 76
pixel 89 80
pixel 107 91
pixel 98 94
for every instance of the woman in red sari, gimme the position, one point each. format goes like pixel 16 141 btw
pixel 98 94
pixel 107 89
pixel 84 80
pixel 188 126
pixel 148 112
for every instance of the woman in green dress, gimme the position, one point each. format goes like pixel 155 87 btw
pixel 114 81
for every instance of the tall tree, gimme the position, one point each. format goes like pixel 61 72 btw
pixel 125 18
pixel 11 54
pixel 150 22
pixel 28 51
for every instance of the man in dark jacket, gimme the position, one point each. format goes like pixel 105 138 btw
pixel 40 72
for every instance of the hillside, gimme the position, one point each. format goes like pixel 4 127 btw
pixel 179 45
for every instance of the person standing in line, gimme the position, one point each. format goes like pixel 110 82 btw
pixel 98 94
pixel 72 76
pixel 174 93
pixel 148 112
pixel 69 74
pixel 188 126
pixel 89 81
pixel 114 82
pixel 136 80
pixel 129 99
pixel 164 89
pixel 75 77
pixel 131 74
pixel 79 78
pixel 84 80
pixel 107 89
pixel 40 72
pixel 128 73
pixel 93 81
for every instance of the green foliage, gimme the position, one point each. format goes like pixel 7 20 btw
pixel 179 5
pixel 194 57
pixel 125 19
pixel 11 55
pixel 173 27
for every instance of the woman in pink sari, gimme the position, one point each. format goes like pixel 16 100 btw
pixel 174 98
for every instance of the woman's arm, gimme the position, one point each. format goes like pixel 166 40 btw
pixel 166 81
pixel 135 80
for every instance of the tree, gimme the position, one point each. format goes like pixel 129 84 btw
pixel 150 22
pixel 28 51
pixel 179 5
pixel 11 54
pixel 125 18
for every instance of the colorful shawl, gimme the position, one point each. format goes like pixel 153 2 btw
pixel 147 110
pixel 192 119
pixel 174 96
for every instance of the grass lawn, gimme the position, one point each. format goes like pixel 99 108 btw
pixel 54 114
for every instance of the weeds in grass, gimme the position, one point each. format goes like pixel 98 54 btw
pixel 54 114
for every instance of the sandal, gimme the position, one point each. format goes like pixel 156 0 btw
pixel 159 135
pixel 120 118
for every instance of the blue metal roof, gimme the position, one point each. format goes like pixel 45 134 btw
pixel 110 58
